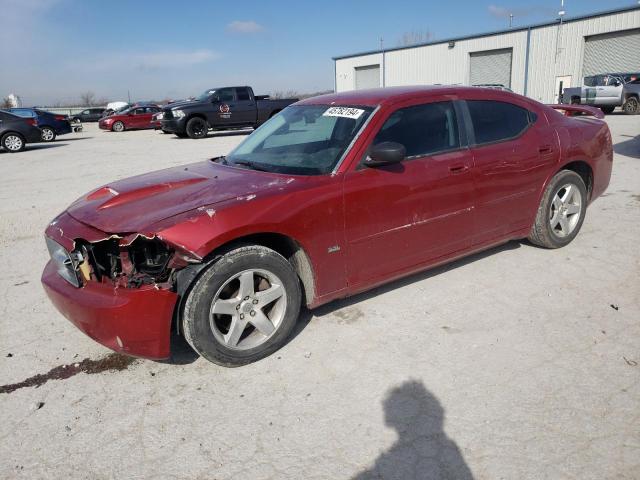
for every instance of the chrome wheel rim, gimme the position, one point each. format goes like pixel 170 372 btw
pixel 118 126
pixel 13 143
pixel 565 210
pixel 47 134
pixel 248 309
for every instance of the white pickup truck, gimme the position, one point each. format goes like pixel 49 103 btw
pixel 604 91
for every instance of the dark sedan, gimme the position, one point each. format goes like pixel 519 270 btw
pixel 16 132
pixel 88 115
pixel 51 124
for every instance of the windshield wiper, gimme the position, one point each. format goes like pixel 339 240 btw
pixel 247 163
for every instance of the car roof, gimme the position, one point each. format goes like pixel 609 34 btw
pixel 389 95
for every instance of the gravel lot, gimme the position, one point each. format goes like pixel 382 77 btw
pixel 517 363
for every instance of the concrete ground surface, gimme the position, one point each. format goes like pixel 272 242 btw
pixel 517 363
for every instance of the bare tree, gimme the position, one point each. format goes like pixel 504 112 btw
pixel 415 37
pixel 282 94
pixel 88 98
pixel 6 103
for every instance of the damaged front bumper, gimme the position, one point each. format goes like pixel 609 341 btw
pixel 119 290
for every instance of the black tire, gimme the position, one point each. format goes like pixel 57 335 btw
pixel 196 325
pixel 118 126
pixel 76 120
pixel 575 101
pixel 13 142
pixel 608 109
pixel 48 134
pixel 197 128
pixel 543 233
pixel 631 106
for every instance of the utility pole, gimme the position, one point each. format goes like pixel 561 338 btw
pixel 129 97
pixel 510 20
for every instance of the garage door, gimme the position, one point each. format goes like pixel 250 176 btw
pixel 611 53
pixel 367 77
pixel 491 66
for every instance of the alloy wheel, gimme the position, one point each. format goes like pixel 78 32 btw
pixel 248 309
pixel 13 143
pixel 565 210
pixel 47 134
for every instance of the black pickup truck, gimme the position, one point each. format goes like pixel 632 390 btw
pixel 220 108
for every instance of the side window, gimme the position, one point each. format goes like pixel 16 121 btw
pixel 85 112
pixel 243 93
pixel 422 129
pixel 590 81
pixel 138 111
pixel 495 121
pixel 226 94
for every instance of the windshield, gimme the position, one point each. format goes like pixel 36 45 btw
pixel 205 95
pixel 301 140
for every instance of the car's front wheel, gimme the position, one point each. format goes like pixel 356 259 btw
pixel 561 211
pixel 608 109
pixel 118 127
pixel 48 134
pixel 242 307
pixel 12 142
pixel 197 128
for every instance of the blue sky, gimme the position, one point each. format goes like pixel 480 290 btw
pixel 156 49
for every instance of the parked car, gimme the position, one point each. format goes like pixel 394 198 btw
pixel 133 118
pixel 88 115
pixel 631 97
pixel 16 131
pixel 217 108
pixel 156 121
pixel 335 195
pixel 50 124
pixel 603 91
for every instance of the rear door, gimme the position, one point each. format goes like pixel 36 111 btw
pixel 244 110
pixel 401 216
pixel 512 152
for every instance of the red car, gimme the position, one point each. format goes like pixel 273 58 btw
pixel 134 118
pixel 335 195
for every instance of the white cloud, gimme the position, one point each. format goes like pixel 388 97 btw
pixel 152 60
pixel 249 26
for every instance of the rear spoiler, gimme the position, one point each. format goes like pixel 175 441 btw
pixel 578 110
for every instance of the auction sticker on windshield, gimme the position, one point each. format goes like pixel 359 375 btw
pixel 346 112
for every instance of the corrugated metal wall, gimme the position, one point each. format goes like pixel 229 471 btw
pixel 438 63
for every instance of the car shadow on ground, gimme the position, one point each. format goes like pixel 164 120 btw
pixel 423 450
pixel 628 148
pixel 38 146
pixel 75 138
pixel 183 354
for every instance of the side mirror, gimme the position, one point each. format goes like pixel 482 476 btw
pixel 385 153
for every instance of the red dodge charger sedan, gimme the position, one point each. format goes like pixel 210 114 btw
pixel 333 196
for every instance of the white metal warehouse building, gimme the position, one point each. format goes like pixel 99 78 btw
pixel 537 60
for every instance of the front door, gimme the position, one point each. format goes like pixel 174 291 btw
pixel 609 91
pixel 562 83
pixel 405 215
pixel 224 108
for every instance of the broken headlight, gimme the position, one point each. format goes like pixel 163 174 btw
pixel 66 262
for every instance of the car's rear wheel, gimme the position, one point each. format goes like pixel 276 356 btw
pixel 118 127
pixel 631 106
pixel 197 128
pixel 12 142
pixel 242 307
pixel 575 101
pixel 607 109
pixel 561 212
pixel 48 134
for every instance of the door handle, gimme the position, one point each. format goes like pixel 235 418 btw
pixel 460 168
pixel 545 149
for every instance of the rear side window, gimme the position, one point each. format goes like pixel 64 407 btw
pixel 496 121
pixel 243 94
pixel 422 129
pixel 23 112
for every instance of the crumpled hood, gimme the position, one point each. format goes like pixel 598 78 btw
pixel 130 205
